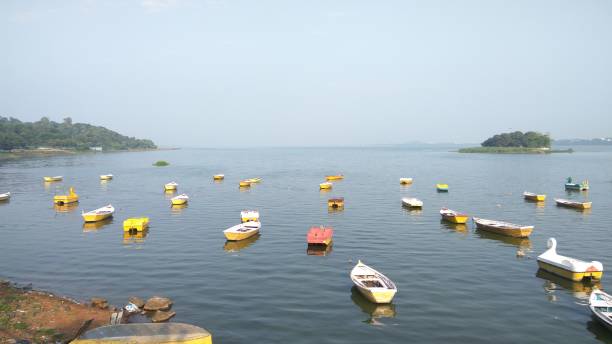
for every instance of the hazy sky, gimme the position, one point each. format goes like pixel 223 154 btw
pixel 238 73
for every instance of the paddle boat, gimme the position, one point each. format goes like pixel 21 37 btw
pixel 219 177
pixel 503 228
pixel 171 186
pixel 337 202
pixel 98 214
pixel 412 202
pixel 179 200
pixel 53 179
pixel 530 196
pixel 5 196
pixel 71 197
pixel 325 186
pixel 106 176
pixel 600 304
pixel 136 224
pixel 442 187
pixel 372 284
pixel 405 181
pixel 573 204
pixel 146 333
pixel 242 231
pixel 567 267
pixel 570 185
pixel 334 177
pixel 320 236
pixel 244 183
pixel 249 215
pixel 453 216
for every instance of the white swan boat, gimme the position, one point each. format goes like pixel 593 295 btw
pixel 375 286
pixel 600 304
pixel 5 196
pixel 99 214
pixel 567 267
pixel 249 215
pixel 412 202
pixel 242 231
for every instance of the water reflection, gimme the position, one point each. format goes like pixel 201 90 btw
pixel 373 310
pixel 599 330
pixel 178 208
pixel 412 211
pixel 457 227
pixel 518 242
pixel 318 250
pixel 580 290
pixel 133 237
pixel 331 210
pixel 236 246
pixel 94 226
pixel 66 208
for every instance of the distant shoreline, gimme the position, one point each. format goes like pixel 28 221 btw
pixel 28 153
pixel 513 150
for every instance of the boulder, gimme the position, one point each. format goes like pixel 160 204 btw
pixel 99 302
pixel 138 302
pixel 158 303
pixel 161 316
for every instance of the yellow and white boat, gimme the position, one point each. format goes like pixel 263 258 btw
pixel 504 228
pixel 337 202
pixel 242 231
pixel 71 197
pixel 530 196
pixel 249 215
pixel 106 176
pixel 244 183
pixel 325 186
pixel 98 214
pixel 412 202
pixel 334 177
pixel 179 200
pixel 405 181
pixel 567 267
pixel 172 186
pixel 441 187
pixel 254 180
pixel 375 286
pixel 53 179
pixel 453 216
pixel 5 196
pixel 136 224
pixel 573 204
pixel 143 333
pixel 219 177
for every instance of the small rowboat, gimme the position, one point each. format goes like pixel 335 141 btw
pixel 600 304
pixel 170 333
pixel 53 179
pixel 334 177
pixel 242 231
pixel 171 186
pixel 573 204
pixel 179 200
pixel 336 202
pixel 71 197
pixel 325 186
pixel 503 228
pixel 244 183
pixel 99 214
pixel 567 267
pixel 249 215
pixel 136 224
pixel 106 177
pixel 219 177
pixel 319 236
pixel 5 196
pixel 442 187
pixel 530 196
pixel 453 216
pixel 412 202
pixel 254 180
pixel 375 286
pixel 405 181
pixel 570 185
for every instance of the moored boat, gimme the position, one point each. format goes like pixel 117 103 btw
pixel 567 267
pixel 325 186
pixel 375 286
pixel 412 202
pixel 242 231
pixel 106 176
pixel 143 333
pixel 249 215
pixel 405 181
pixel 534 197
pixel 337 202
pixel 179 200
pixel 453 216
pixel 53 179
pixel 319 236
pixel 5 196
pixel 71 197
pixel 254 180
pixel 218 177
pixel 504 228
pixel 600 304
pixel 334 177
pixel 244 183
pixel 570 185
pixel 136 224
pixel 98 214
pixel 172 186
pixel 442 187
pixel 573 204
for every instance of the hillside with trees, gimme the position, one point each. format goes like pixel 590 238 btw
pixel 15 134
pixel 530 139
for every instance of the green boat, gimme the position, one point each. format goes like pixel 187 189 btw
pixel 570 185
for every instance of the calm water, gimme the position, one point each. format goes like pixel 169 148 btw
pixel 455 284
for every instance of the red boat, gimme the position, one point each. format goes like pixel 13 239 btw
pixel 320 236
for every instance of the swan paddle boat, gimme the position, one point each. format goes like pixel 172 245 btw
pixel 136 224
pixel 172 186
pixel 5 196
pixel 453 216
pixel 337 202
pixel 442 187
pixel 249 215
pixel 144 333
pixel 375 286
pixel 242 231
pixel 320 236
pixel 99 214
pixel 106 177
pixel 573 204
pixel 53 179
pixel 219 177
pixel 567 267
pixel 179 200
pixel 405 181
pixel 412 202
pixel 325 186
pixel 570 185
pixel 600 304
pixel 71 197
pixel 504 228
pixel 530 196
pixel 334 177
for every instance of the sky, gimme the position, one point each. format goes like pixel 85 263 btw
pixel 231 73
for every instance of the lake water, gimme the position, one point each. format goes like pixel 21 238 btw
pixel 455 284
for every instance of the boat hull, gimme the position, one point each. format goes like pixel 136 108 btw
pixel 65 199
pixel 106 177
pixel 535 198
pixel 96 217
pixel 236 236
pixel 52 179
pixel 385 296
pixel 244 184
pixel 459 219
pixel 511 232
pixel 405 181
pixel 218 177
pixel 330 178
pixel 442 187
pixel 581 206
pixel 325 186
pixel 179 201
pixel 571 275
pixel 137 224
pixel 170 187
pixel 335 203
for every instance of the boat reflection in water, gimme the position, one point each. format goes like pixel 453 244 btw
pixel 237 245
pixel 512 241
pixel 456 227
pixel 319 250
pixel 178 208
pixel 66 208
pixel 580 290
pixel 373 310
pixel 412 211
pixel 94 226
pixel 600 331
pixel 134 237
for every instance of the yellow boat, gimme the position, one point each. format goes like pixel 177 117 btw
pixel 249 215
pixel 106 177
pixel 136 223
pixel 442 187
pixel 334 177
pixel 179 200
pixel 242 231
pixel 245 183
pixel 254 180
pixel 53 179
pixel 171 186
pixel 99 214
pixel 530 196
pixel 570 268
pixel 218 177
pixel 143 333
pixel 405 181
pixel 372 284
pixel 71 197
pixel 337 202
pixel 325 186
pixel 453 216
pixel 573 204
pixel 504 228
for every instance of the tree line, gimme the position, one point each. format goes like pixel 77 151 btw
pixel 530 139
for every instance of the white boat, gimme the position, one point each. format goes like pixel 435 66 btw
pixel 99 214
pixel 600 304
pixel 179 200
pixel 242 231
pixel 412 202
pixel 5 196
pixel 567 267
pixel 573 204
pixel 249 215
pixel 504 228
pixel 375 286
pixel 171 186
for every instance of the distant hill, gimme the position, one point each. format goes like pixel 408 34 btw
pixel 604 141
pixel 15 134
pixel 530 139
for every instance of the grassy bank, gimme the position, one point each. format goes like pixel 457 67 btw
pixel 29 153
pixel 513 150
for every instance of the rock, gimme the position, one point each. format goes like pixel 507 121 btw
pixel 99 302
pixel 11 341
pixel 138 302
pixel 161 316
pixel 158 303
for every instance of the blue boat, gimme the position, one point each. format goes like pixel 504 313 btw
pixel 570 185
